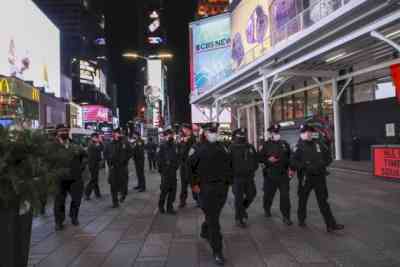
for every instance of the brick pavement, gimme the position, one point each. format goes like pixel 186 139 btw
pixel 137 236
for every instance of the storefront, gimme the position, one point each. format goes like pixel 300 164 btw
pixel 325 63
pixel 52 110
pixel 74 116
pixel 19 103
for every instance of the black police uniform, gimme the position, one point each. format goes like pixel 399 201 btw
pixel 313 157
pixel 244 165
pixel 151 149
pixel 70 158
pixel 276 175
pixel 117 155
pixel 185 148
pixel 94 160
pixel 211 165
pixel 138 156
pixel 168 164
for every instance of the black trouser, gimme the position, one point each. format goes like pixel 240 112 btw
pixel 139 164
pixel 318 184
pixel 271 185
pixel 152 162
pixel 118 180
pixel 300 185
pixel 168 189
pixel 185 183
pixel 75 190
pixel 212 200
pixel 245 191
pixel 93 184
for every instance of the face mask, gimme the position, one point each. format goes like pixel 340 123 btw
pixel 305 136
pixel 212 137
pixel 276 137
pixel 170 139
pixel 64 136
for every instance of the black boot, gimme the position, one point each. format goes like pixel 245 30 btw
pixel 287 221
pixel 268 214
pixel 75 221
pixel 59 227
pixel 335 227
pixel 219 259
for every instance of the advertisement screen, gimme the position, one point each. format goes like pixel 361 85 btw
pixel 92 74
pixel 386 162
pixel 95 113
pixel 251 36
pixel 29 45
pixel 210 53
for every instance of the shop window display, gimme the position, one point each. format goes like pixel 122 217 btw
pixel 327 104
pixel 299 105
pixel 313 102
pixel 277 111
pixel 288 106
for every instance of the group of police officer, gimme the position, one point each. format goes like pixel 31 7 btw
pixel 72 159
pixel 210 167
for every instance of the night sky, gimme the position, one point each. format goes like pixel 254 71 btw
pixel 125 32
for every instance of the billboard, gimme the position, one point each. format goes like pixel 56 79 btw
pixel 386 161
pixel 283 22
pixel 91 73
pixel 155 78
pixel 96 113
pixel 210 52
pixel 251 36
pixel 29 45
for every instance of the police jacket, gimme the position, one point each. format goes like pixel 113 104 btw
pixel 280 150
pixel 151 149
pixel 118 153
pixel 168 158
pixel 138 150
pixel 211 163
pixel 69 160
pixel 311 157
pixel 244 160
pixel 94 155
pixel 184 148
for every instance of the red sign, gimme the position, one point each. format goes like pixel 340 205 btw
pixel 386 162
pixel 395 69
pixel 94 113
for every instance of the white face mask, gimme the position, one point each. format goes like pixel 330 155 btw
pixel 212 137
pixel 276 137
pixel 306 136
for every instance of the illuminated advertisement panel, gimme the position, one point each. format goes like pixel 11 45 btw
pixel 251 36
pixel 95 113
pixel 210 52
pixel 29 45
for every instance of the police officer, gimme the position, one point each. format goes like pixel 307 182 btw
pixel 117 154
pixel 312 157
pixel 138 157
pixel 70 158
pixel 275 154
pixel 151 149
pixel 244 165
pixel 94 159
pixel 211 165
pixel 168 164
pixel 188 141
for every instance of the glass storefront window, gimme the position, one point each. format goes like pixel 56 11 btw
pixel 313 102
pixel 364 92
pixel 327 104
pixel 277 111
pixel 288 105
pixel 384 89
pixel 299 105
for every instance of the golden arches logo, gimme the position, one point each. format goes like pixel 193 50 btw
pixel 35 95
pixel 4 87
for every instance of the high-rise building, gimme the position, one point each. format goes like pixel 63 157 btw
pixel 208 8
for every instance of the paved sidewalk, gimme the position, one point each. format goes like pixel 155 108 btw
pixel 137 236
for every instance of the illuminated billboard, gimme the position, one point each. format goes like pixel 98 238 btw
pixel 92 74
pixel 251 36
pixel 210 52
pixel 29 45
pixel 96 113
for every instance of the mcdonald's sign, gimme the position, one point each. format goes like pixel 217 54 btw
pixel 35 95
pixel 4 87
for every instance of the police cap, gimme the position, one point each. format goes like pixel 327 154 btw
pixel 274 128
pixel 211 127
pixel 61 126
pixel 117 130
pixel 93 135
pixel 306 128
pixel 168 130
pixel 186 126
pixel 240 132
